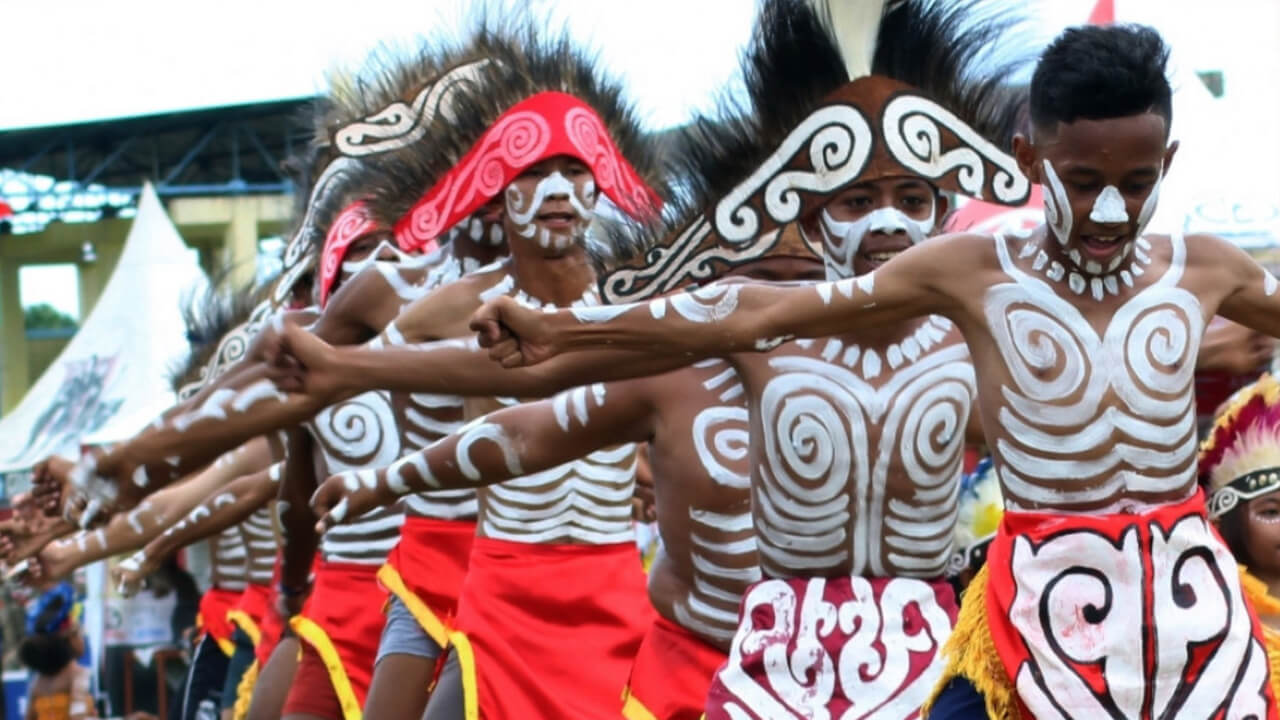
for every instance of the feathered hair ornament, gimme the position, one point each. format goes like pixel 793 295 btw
pixel 1240 459
pixel 815 122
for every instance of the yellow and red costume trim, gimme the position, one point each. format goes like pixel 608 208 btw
pixel 212 620
pixel 670 675
pixel 342 626
pixel 426 569
pixel 549 630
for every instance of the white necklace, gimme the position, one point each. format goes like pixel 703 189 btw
pixel 1099 285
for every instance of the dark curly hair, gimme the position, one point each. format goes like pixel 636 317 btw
pixel 1095 73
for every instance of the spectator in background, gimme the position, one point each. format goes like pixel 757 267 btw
pixel 59 688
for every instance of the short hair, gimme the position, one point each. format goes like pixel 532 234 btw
pixel 1100 72
pixel 46 653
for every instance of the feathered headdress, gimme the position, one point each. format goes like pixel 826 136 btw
pixel 542 97
pixel 1240 459
pixel 816 123
pixel 211 315
pixel 371 126
pixel 980 508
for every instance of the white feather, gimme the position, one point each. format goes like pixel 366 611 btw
pixel 855 25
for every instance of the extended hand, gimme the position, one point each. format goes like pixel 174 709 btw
pixel 347 496
pixel 130 574
pixel 303 363
pixel 514 334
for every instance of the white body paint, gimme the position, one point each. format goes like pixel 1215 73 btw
pixel 842 239
pixel 821 501
pixel 1127 389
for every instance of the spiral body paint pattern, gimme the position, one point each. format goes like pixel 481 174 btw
pixel 1094 418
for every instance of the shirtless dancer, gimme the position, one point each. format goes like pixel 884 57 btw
pixel 1106 592
pixel 574 519
pixel 557 67
pixel 884 203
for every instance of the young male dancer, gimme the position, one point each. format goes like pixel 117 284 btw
pixel 1106 592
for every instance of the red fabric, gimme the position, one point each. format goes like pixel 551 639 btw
pixel 212 619
pixel 672 672
pixel 431 559
pixel 1108 615
pixel 5 210
pixel 343 603
pixel 539 127
pixel 255 602
pixel 351 224
pixel 553 629
pixel 853 647
pixel 311 692
pixel 272 626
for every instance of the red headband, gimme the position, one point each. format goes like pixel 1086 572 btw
pixel 536 128
pixel 351 224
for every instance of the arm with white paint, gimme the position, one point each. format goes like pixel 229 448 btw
pixel 131 529
pixel 456 367
pixel 225 507
pixel 299 538
pixel 244 402
pixel 722 318
pixel 504 444
pixel 1249 295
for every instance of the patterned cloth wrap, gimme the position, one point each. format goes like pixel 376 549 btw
pixel 847 647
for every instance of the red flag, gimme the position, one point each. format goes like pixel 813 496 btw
pixel 1104 13
pixel 5 210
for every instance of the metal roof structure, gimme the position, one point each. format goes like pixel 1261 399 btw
pixel 102 164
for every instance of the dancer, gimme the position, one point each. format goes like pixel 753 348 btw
pixel 1084 335
pixel 913 381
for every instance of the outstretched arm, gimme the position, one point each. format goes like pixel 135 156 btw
pixel 223 508
pixel 722 318
pixel 504 444
pixel 132 529
pixel 329 374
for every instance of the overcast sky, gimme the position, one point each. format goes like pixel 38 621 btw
pixel 70 60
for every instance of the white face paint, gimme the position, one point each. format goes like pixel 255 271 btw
pixel 1108 207
pixel 522 214
pixel 384 249
pixel 844 238
pixel 1057 206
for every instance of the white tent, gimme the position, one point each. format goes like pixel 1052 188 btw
pixel 110 380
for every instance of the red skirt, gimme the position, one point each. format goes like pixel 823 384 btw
pixel 671 674
pixel 549 631
pixel 847 647
pixel 251 609
pixel 1127 615
pixel 212 618
pixel 426 568
pixel 342 622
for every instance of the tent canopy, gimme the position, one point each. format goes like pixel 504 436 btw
pixel 111 379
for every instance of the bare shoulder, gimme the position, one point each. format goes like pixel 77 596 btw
pixel 440 313
pixel 347 311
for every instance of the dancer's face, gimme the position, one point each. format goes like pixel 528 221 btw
pixel 549 206
pixel 1101 181
pixel 866 225
pixel 1262 534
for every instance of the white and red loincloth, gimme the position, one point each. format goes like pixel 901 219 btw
pixel 1125 615
pixel 847 647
